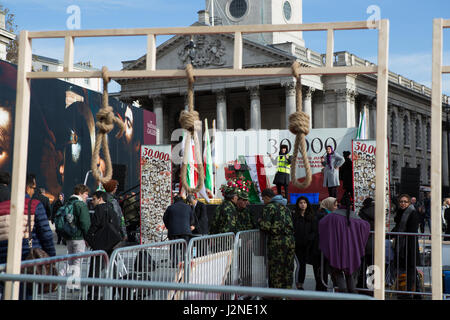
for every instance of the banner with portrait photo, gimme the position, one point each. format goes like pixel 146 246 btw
pixel 156 190
pixel 364 160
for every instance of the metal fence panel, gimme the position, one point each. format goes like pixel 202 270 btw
pixel 160 261
pixel 72 266
pixel 209 261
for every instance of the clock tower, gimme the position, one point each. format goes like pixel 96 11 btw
pixel 242 12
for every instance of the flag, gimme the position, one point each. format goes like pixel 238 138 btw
pixel 191 175
pixel 361 133
pixel 207 160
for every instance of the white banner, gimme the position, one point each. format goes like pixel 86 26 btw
pixel 156 190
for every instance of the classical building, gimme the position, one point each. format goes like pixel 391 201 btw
pixel 5 36
pixel 41 63
pixel 332 101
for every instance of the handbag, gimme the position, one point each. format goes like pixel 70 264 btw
pixel 38 253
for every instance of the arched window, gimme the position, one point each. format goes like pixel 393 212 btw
pixel 393 127
pixel 405 131
pixel 428 137
pixel 418 134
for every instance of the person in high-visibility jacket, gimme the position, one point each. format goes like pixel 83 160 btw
pixel 282 177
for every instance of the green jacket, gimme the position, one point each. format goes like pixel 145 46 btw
pixel 82 216
pixel 245 221
pixel 276 220
pixel 225 219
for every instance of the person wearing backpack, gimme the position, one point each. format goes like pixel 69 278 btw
pixel 75 239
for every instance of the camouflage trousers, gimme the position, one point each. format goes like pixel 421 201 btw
pixel 281 252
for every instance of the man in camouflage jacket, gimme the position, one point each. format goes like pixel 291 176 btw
pixel 245 221
pixel 276 223
pixel 225 219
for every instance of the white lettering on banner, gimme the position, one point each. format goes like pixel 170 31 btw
pixel 156 190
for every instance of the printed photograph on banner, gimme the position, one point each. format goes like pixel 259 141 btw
pixel 156 191
pixel 364 161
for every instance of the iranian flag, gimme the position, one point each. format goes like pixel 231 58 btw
pixel 191 173
pixel 207 160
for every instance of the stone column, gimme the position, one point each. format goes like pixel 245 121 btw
pixel 345 109
pixel 307 103
pixel 255 108
pixel 158 110
pixel 221 109
pixel 290 101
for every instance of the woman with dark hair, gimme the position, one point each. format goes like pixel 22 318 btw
pixel 342 239
pixel 305 233
pixel 282 177
pixel 331 163
pixel 407 253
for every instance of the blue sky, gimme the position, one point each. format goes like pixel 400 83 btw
pixel 410 28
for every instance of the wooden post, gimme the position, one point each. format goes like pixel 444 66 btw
pixel 20 155
pixel 68 54
pixel 151 52
pixel 330 49
pixel 436 162
pixel 237 61
pixel 381 152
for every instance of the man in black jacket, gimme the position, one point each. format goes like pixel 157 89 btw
pixel 200 215
pixel 104 234
pixel 39 195
pixel 179 220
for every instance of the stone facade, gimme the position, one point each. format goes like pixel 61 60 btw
pixel 332 101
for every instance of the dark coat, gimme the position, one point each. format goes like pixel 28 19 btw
pixel 305 234
pixel 178 218
pixel 406 248
pixel 368 214
pixel 42 234
pixel 200 218
pixel 5 192
pixel 104 232
pixel 346 174
pixel 447 220
pixel 45 202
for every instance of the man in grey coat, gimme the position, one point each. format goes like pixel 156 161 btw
pixel 331 162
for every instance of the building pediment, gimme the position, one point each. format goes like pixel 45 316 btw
pixel 211 51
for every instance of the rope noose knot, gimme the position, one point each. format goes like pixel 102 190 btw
pixel 190 120
pixel 105 124
pixel 299 125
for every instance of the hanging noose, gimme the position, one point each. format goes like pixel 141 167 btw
pixel 105 123
pixel 299 125
pixel 190 121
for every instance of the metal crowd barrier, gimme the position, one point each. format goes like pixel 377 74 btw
pixel 250 266
pixel 203 290
pixel 72 267
pixel 160 261
pixel 400 266
pixel 209 261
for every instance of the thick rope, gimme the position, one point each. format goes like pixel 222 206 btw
pixel 190 121
pixel 299 125
pixel 105 123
